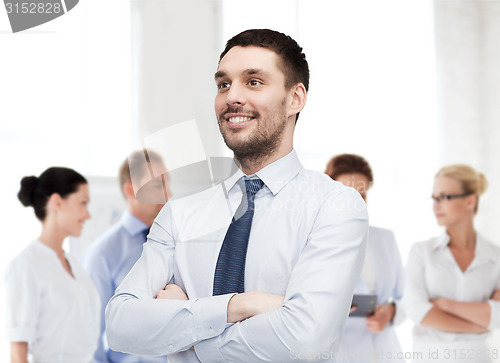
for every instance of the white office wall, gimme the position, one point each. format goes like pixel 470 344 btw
pixel 468 55
pixel 175 54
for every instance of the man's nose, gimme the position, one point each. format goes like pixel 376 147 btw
pixel 236 95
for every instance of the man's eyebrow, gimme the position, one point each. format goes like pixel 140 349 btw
pixel 251 71
pixel 248 71
pixel 219 74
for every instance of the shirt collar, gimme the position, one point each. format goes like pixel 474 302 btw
pixel 441 241
pixel 275 175
pixel 483 248
pixel 132 224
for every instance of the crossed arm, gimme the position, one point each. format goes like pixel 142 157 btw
pixel 442 314
pixel 240 306
pixel 143 319
pixel 460 317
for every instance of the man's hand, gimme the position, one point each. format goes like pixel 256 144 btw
pixel 172 292
pixel 248 304
pixel 382 316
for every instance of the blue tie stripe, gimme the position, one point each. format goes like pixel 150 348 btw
pixel 230 269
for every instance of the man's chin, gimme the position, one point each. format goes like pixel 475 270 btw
pixel 238 150
pixel 235 142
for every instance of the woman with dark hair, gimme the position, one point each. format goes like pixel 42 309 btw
pixel 52 306
pixel 373 338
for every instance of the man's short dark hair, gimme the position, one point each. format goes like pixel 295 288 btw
pixel 293 61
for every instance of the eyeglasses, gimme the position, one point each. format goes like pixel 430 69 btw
pixel 448 197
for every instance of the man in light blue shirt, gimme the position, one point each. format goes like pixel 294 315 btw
pixel 112 256
pixel 305 247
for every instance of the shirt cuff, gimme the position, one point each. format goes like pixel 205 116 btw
pixel 210 315
pixel 21 334
pixel 208 351
pixel 399 315
pixel 495 315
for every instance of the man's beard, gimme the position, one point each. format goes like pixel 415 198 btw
pixel 259 145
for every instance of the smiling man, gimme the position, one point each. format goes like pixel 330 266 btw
pixel 259 268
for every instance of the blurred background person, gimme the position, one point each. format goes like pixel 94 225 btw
pixel 370 339
pixel 451 292
pixel 112 255
pixel 52 305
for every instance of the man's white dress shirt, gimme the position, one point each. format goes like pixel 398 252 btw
pixel 57 314
pixel 307 243
pixel 431 273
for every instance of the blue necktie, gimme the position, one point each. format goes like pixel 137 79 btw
pixel 230 270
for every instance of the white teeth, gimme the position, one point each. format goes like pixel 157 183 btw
pixel 239 119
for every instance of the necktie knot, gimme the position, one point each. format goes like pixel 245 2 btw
pixel 253 185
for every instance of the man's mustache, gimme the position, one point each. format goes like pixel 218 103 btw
pixel 233 109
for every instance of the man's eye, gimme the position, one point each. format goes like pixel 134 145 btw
pixel 254 82
pixel 222 85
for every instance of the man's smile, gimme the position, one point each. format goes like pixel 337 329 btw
pixel 238 120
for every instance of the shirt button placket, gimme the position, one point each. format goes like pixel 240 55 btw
pixel 461 286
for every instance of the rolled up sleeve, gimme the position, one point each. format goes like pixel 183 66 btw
pixel 22 301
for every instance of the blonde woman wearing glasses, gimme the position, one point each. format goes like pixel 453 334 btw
pixel 453 280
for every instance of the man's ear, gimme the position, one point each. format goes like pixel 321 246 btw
pixel 298 97
pixel 128 189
